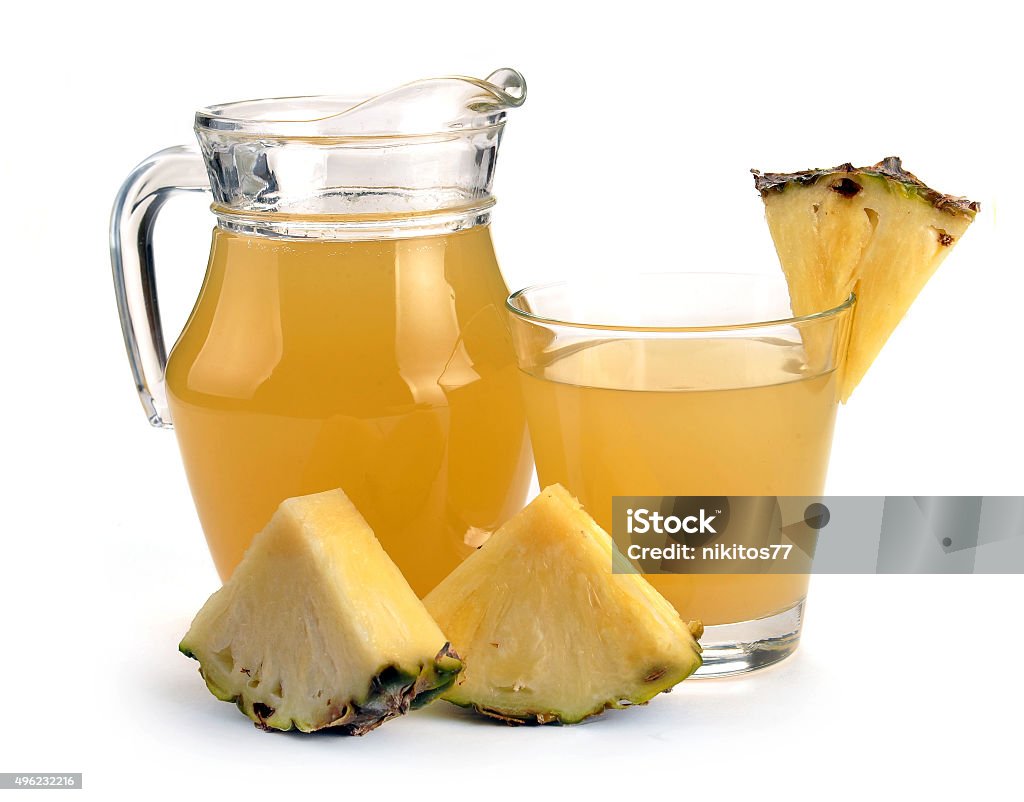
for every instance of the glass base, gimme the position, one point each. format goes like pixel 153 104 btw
pixel 740 648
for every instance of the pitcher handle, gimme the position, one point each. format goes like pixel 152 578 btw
pixel 154 181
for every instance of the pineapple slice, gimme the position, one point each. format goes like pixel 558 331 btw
pixel 317 627
pixel 549 633
pixel 878 232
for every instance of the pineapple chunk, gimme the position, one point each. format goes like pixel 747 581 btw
pixel 878 232
pixel 549 633
pixel 318 628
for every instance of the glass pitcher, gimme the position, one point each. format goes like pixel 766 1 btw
pixel 350 329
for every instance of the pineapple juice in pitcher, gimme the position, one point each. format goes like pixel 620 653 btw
pixel 350 331
pixel 412 408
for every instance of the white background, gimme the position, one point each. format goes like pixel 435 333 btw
pixel 631 153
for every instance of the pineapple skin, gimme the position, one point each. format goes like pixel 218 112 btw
pixel 392 692
pixel 317 629
pixel 878 233
pixel 890 168
pixel 659 652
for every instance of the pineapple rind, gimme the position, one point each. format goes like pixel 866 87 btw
pixel 890 171
pixel 525 715
pixel 547 633
pixel 317 628
pixel 392 691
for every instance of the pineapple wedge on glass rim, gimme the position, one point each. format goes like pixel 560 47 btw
pixel 547 633
pixel 317 628
pixel 878 232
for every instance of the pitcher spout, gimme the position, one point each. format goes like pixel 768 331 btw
pixel 431 106
pixel 508 85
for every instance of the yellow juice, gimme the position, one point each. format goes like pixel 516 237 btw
pixel 725 416
pixel 382 367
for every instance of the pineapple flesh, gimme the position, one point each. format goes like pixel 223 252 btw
pixel 877 232
pixel 317 628
pixel 547 632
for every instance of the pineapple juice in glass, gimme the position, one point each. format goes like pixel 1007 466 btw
pixel 686 384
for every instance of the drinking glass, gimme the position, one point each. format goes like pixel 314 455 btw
pixel 686 384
